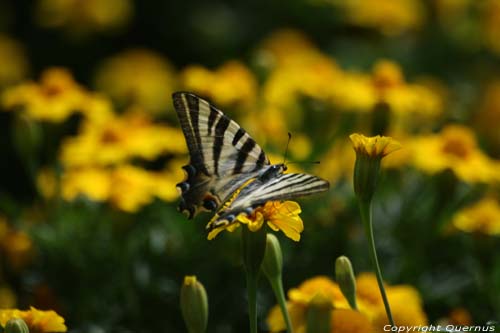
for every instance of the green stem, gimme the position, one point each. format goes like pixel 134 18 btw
pixel 365 208
pixel 279 293
pixel 252 301
pixel 253 249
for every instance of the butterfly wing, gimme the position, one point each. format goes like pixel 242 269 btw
pixel 222 154
pixel 282 187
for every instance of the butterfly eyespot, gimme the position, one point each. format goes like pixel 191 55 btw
pixel 210 204
pixel 183 187
pixel 248 210
pixel 230 218
pixel 190 170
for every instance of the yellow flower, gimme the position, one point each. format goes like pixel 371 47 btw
pixel 284 47
pixel 390 17
pixel 140 77
pixel 126 187
pixel 93 182
pixel 38 321
pixel 405 303
pixel 277 215
pixel 54 99
pixel 482 217
pixel 84 17
pixel 454 148
pixel 344 320
pixel 15 65
pixel 120 138
pixel 374 147
pixel 230 84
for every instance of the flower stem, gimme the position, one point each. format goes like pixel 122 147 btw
pixel 252 301
pixel 365 208
pixel 277 286
pixel 253 248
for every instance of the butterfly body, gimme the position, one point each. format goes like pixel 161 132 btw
pixel 229 173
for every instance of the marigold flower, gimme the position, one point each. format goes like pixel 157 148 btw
pixel 38 321
pixel 454 148
pixel 405 302
pixel 84 17
pixel 54 98
pixel 482 217
pixel 230 84
pixel 343 319
pixel 139 77
pixel 374 147
pixel 127 187
pixel 277 215
pixel 389 17
pixel 120 138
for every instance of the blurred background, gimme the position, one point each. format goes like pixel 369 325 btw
pixel 91 151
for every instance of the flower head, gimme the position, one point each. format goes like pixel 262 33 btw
pixel 369 153
pixel 482 217
pixel 277 215
pixel 374 147
pixel 137 76
pixel 38 321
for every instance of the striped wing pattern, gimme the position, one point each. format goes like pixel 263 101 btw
pixel 222 154
pixel 257 193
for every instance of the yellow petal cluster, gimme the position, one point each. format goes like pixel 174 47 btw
pixel 125 186
pixel 389 17
pixel 54 98
pixel 277 215
pixel 120 138
pixel 230 84
pixel 84 17
pixel 374 147
pixel 138 76
pixel 454 148
pixel 405 303
pixel 480 217
pixel 38 321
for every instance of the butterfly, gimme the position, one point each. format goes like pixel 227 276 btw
pixel 228 172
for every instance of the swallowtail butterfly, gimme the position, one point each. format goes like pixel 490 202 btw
pixel 228 172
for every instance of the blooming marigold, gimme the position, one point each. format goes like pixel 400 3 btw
pixel 482 217
pixel 277 215
pixel 454 148
pixel 371 317
pixel 137 76
pixel 38 321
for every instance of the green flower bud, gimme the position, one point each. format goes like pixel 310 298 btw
pixel 16 325
pixel 344 274
pixel 194 305
pixel 27 136
pixel 319 315
pixel 273 258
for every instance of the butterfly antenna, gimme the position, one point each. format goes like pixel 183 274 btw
pixel 286 149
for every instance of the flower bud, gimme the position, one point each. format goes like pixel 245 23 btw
pixel 344 274
pixel 369 153
pixel 273 258
pixel 194 305
pixel 16 325
pixel 319 315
